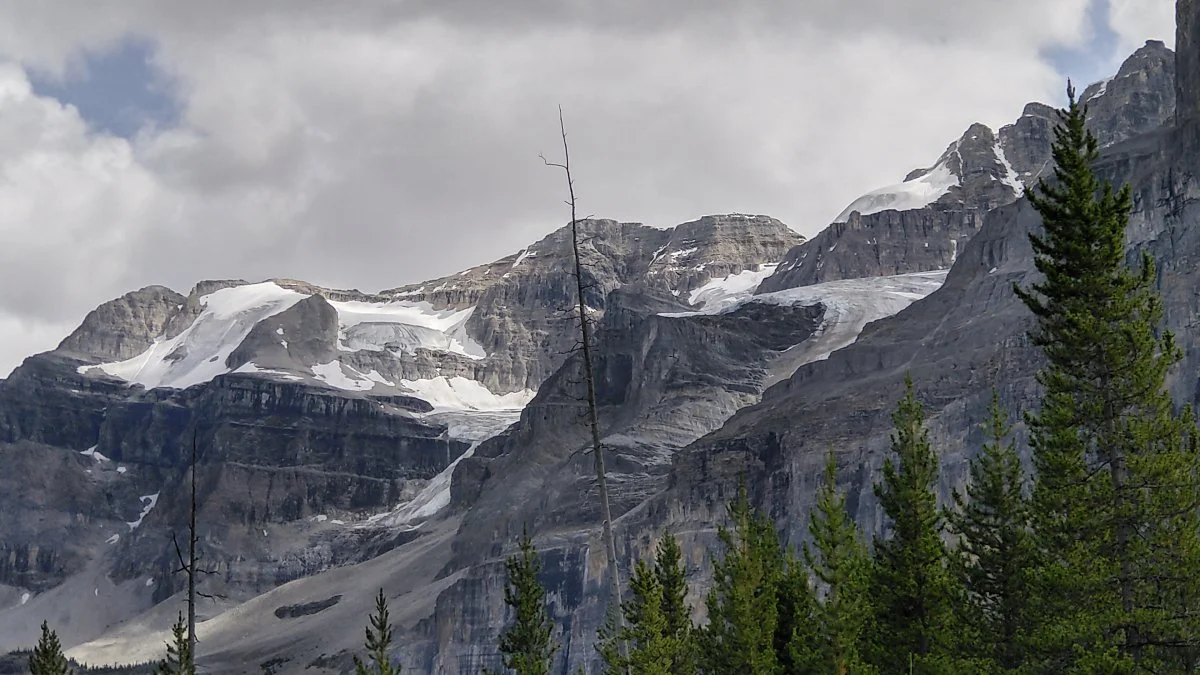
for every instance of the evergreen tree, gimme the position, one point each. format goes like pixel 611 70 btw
pixel 527 645
pixel 838 559
pixel 658 626
pixel 378 642
pixel 742 603
pixel 760 606
pixel 1117 584
pixel 179 659
pixel 910 583
pixel 48 658
pixel 994 551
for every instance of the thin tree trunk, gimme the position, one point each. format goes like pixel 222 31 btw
pixel 585 331
pixel 191 569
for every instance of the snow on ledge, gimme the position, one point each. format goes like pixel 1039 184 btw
pixel 914 194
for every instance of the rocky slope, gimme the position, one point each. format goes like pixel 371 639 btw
pixel 331 466
pixel 925 222
pixel 327 422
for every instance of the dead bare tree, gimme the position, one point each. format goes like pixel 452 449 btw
pixel 191 567
pixel 585 335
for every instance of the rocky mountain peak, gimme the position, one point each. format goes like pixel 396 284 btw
pixel 1187 59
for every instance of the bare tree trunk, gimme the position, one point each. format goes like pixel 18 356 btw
pixel 191 567
pixel 585 333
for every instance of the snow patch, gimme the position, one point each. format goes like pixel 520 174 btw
pixel 94 454
pixel 148 502
pixel 25 598
pixel 727 291
pixel 850 305
pixel 406 326
pixel 150 582
pixel 460 393
pixel 121 469
pixel 1011 178
pixel 913 194
pixel 198 354
pixel 434 497
pixel 113 539
pixel 251 368
pixel 525 253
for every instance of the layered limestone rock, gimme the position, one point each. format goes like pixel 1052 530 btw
pixel 1187 59
pixel 928 227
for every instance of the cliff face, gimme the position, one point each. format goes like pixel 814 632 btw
pixel 925 223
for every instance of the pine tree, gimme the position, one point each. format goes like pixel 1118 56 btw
pixel 658 628
pixel 838 559
pixel 994 552
pixel 1114 505
pixel 378 642
pixel 527 645
pixel 48 658
pixel 179 659
pixel 669 570
pixel 743 603
pixel 910 583
pixel 651 651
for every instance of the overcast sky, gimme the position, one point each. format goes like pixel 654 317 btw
pixel 375 143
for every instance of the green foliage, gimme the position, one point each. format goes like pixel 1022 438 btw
pixel 839 561
pixel 179 659
pixel 743 609
pixel 994 552
pixel 378 642
pixel 47 657
pixel 658 627
pixel 911 587
pixel 1114 504
pixel 760 606
pixel 527 645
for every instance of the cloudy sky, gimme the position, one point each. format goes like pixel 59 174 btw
pixel 373 143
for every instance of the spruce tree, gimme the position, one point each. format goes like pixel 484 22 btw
pixel 378 642
pixel 672 577
pixel 47 657
pixel 1117 583
pixel 658 626
pixel 651 651
pixel 179 660
pixel 910 583
pixel 994 552
pixel 527 645
pixel 838 559
pixel 740 638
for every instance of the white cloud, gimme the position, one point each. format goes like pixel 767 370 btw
pixel 389 143
pixel 1136 21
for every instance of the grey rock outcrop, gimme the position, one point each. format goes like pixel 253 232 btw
pixel 1187 59
pixel 125 327
pixel 991 169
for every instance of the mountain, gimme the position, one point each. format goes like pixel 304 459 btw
pixel 354 441
pixel 924 222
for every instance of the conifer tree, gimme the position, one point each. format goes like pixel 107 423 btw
pixel 378 642
pixel 838 559
pixel 672 577
pixel 657 630
pixel 743 601
pixel 47 657
pixel 179 660
pixel 527 645
pixel 1115 497
pixel 910 583
pixel 994 552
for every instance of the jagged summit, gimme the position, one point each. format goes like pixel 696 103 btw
pixel 923 223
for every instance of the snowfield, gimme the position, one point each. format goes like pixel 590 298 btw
pixel 913 194
pixel 723 292
pixel 849 306
pixel 198 354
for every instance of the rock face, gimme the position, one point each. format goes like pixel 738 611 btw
pixel 313 410
pixel 700 381
pixel 1187 60
pixel 923 223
